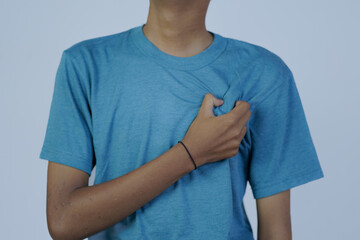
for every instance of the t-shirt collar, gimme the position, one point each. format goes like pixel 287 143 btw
pixel 197 61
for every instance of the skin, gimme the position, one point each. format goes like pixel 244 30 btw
pixel 273 213
pixel 178 28
pixel 76 211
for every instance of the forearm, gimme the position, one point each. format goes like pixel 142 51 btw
pixel 91 209
pixel 283 233
pixel 275 237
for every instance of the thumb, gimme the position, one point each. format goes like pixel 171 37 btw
pixel 208 104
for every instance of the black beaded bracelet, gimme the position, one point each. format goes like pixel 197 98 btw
pixel 188 153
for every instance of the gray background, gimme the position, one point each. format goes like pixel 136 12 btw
pixel 319 41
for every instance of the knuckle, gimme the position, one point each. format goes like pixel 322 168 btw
pixel 208 95
pixel 243 131
pixel 249 112
pixel 239 132
pixel 247 115
pixel 229 121
pixel 246 104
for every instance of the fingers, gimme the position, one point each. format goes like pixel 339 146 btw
pixel 243 132
pixel 239 110
pixel 241 104
pixel 240 114
pixel 241 122
pixel 208 104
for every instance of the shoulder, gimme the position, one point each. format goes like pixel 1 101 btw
pixel 86 57
pixel 93 47
pixel 257 57
pixel 259 70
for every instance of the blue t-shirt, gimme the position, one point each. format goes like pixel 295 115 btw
pixel 120 102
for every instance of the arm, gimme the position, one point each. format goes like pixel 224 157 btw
pixel 69 197
pixel 274 220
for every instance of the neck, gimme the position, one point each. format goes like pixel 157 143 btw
pixel 178 27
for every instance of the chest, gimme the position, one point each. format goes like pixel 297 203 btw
pixel 144 96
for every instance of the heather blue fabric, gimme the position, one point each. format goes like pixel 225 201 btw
pixel 120 101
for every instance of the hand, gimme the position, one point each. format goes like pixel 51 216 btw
pixel 212 138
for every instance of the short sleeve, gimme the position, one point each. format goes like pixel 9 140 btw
pixel 68 138
pixel 282 153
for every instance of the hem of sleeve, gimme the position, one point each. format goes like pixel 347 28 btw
pixel 287 183
pixel 67 159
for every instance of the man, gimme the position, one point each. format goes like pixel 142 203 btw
pixel 124 101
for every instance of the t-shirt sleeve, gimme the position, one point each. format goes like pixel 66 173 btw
pixel 282 154
pixel 68 138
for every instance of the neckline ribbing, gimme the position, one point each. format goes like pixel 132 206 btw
pixel 197 61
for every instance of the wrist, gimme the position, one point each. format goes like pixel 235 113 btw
pixel 181 151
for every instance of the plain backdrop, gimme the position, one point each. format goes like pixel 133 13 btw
pixel 318 40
